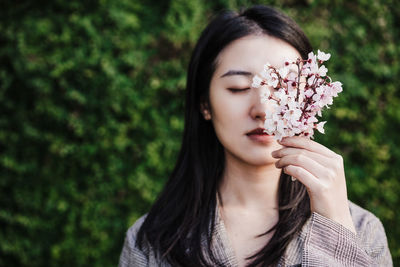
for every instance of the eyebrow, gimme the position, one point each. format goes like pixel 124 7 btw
pixel 236 72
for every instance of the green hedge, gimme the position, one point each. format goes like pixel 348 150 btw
pixel 91 114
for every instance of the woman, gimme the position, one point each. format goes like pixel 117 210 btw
pixel 230 200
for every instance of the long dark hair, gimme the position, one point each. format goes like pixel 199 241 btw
pixel 181 222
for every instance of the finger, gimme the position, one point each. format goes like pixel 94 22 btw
pixel 306 178
pixel 306 143
pixel 286 151
pixel 313 167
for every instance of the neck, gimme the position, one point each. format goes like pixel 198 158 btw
pixel 249 187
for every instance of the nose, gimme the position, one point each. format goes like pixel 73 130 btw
pixel 258 110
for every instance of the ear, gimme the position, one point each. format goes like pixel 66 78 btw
pixel 205 110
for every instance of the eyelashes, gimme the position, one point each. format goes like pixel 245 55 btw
pixel 238 90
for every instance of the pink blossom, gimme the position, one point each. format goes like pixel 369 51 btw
pixel 322 71
pixel 336 88
pixel 320 127
pixel 265 94
pixel 322 56
pixel 293 108
pixel 309 93
pixel 283 72
pixel 257 80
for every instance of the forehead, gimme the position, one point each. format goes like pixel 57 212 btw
pixel 250 53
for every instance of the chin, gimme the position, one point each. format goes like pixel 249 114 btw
pixel 253 155
pixel 263 158
pixel 262 161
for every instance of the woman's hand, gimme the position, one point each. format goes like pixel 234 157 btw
pixel 322 172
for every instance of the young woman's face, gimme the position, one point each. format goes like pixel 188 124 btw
pixel 235 107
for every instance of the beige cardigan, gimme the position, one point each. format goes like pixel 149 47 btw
pixel 321 242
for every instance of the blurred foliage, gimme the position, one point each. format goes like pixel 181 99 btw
pixel 91 104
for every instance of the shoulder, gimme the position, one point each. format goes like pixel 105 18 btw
pixel 362 218
pixel 327 242
pixel 131 255
pixel 370 230
pixel 134 229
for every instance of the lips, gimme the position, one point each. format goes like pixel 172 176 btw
pixel 257 131
pixel 260 137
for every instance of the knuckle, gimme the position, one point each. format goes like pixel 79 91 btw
pixel 288 169
pixel 302 154
pixel 339 161
pixel 324 188
pixel 299 158
pixel 338 166
pixel 296 171
pixel 330 174
pixel 339 157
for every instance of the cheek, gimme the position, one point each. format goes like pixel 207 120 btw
pixel 228 110
pixel 229 121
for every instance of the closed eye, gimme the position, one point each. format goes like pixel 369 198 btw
pixel 238 90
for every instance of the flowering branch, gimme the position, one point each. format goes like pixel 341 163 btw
pixel 303 89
